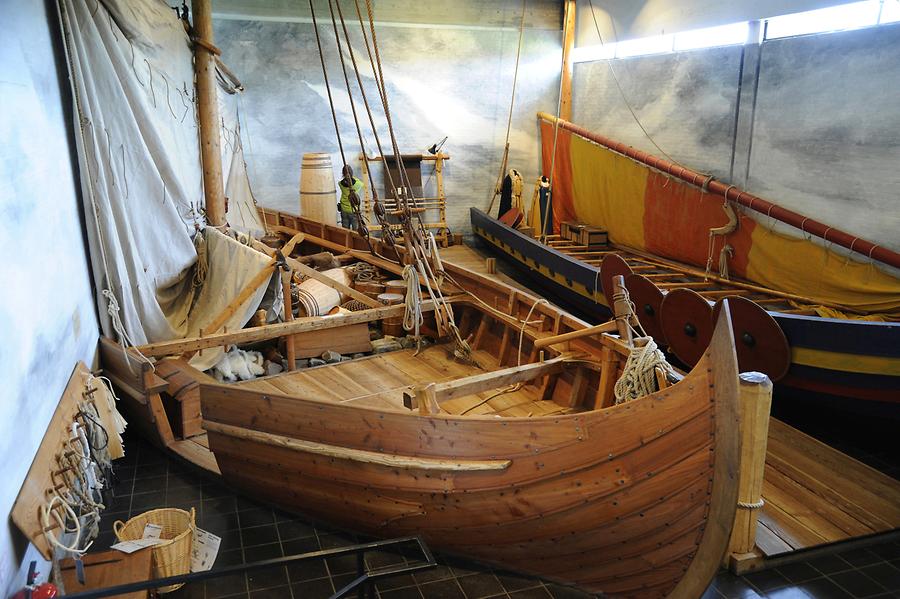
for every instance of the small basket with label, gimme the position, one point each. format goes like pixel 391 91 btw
pixel 172 556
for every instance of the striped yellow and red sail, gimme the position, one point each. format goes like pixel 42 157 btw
pixel 648 210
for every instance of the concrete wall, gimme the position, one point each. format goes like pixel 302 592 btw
pixel 47 318
pixel 452 79
pixel 809 122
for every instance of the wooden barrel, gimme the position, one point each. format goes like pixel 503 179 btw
pixel 395 286
pixel 394 325
pixel 318 193
pixel 371 288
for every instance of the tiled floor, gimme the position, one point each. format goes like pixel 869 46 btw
pixel 148 479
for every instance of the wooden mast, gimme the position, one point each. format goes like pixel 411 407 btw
pixel 565 104
pixel 210 152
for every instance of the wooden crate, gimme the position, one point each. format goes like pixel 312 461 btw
pixel 570 230
pixel 592 237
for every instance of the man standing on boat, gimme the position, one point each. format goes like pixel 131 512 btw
pixel 351 187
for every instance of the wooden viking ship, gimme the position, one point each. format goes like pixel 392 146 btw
pixel 517 456
pixel 811 320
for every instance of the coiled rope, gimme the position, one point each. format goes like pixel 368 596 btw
pixel 639 373
pixel 412 317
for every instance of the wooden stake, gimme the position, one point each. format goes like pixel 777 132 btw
pixel 208 109
pixel 756 402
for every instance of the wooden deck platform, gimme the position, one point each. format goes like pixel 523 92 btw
pixel 380 381
pixel 472 259
pixel 814 496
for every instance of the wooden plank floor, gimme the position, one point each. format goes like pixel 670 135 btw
pixel 473 259
pixel 815 495
pixel 380 381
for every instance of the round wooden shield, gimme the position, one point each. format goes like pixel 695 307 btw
pixel 687 324
pixel 647 299
pixel 758 340
pixel 612 265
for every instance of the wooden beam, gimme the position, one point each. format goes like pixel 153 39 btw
pixel 336 285
pixel 355 455
pixel 208 109
pixel 249 289
pixel 568 43
pixel 271 331
pixel 606 327
pixel 490 380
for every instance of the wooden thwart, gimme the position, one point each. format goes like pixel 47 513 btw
pixel 470 385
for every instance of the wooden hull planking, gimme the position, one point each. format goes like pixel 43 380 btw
pixel 623 500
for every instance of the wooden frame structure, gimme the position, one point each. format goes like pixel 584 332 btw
pixel 432 209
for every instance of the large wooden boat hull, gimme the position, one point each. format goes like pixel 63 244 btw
pixel 636 500
pixel 633 500
pixel 843 358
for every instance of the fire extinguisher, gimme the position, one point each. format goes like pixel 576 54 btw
pixel 36 591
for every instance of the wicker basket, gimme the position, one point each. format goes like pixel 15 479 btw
pixel 172 557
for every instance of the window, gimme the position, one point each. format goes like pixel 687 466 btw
pixel 890 11
pixel 642 46
pixel 725 35
pixel 834 18
pixel 589 53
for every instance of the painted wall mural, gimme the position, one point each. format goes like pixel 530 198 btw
pixel 450 81
pixel 822 129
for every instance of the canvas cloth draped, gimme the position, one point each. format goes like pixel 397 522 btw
pixel 132 75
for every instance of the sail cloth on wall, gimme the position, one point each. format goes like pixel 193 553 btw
pixel 645 209
pixel 132 74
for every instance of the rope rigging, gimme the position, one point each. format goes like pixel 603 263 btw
pixel 512 100
pixel 421 249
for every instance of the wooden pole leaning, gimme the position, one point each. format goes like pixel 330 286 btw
pixel 208 109
pixel 755 404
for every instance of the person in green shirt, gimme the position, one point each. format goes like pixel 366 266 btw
pixel 351 187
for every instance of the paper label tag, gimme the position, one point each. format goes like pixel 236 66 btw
pixel 205 550
pixel 152 531
pixel 132 546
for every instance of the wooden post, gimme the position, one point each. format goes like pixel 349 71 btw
pixel 565 103
pixel 208 108
pixel 622 310
pixel 289 348
pixel 756 402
